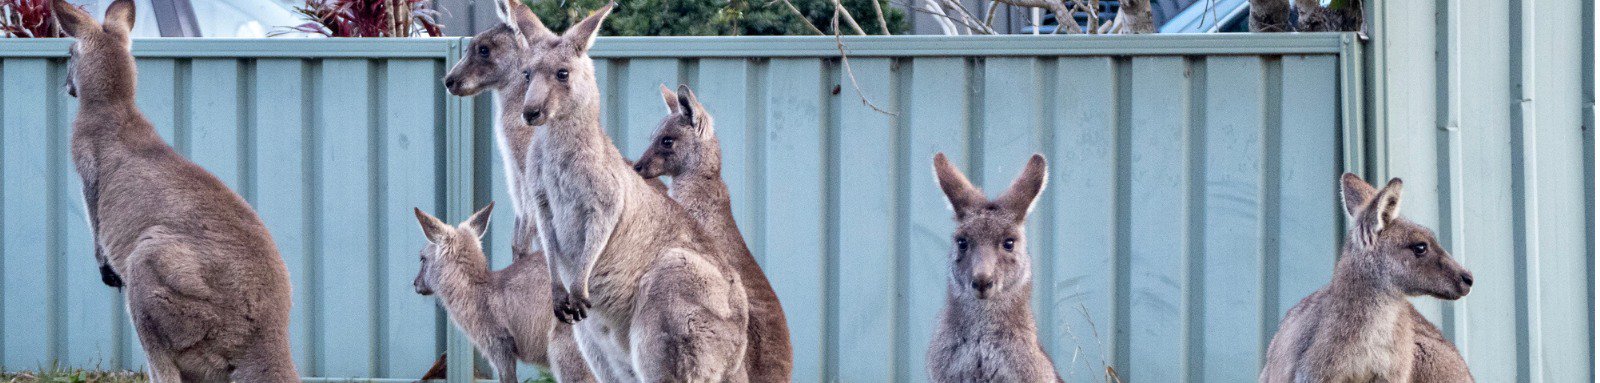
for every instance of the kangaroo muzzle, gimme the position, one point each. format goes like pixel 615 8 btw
pixel 533 116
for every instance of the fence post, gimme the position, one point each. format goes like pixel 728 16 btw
pixel 458 195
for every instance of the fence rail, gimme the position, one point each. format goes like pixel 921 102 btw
pixel 1193 199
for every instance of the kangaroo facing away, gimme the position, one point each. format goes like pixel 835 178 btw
pixel 987 332
pixel 685 148
pixel 494 61
pixel 489 306
pixel 1360 328
pixel 665 303
pixel 206 290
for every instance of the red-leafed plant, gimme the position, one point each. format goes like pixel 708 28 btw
pixel 368 18
pixel 28 18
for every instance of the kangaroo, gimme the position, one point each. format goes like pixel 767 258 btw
pixel 206 290
pixel 987 332
pixel 666 304
pixel 489 306
pixel 494 61
pixel 1359 327
pixel 685 148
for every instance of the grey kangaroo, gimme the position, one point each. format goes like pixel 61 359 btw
pixel 489 306
pixel 494 61
pixel 666 304
pixel 206 290
pixel 987 332
pixel 685 148
pixel 1360 328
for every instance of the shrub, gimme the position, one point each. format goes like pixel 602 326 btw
pixel 28 19
pixel 713 17
pixel 367 18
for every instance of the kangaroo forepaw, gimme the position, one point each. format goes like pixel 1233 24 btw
pixel 109 276
pixel 571 310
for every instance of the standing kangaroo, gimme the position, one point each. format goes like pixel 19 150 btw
pixel 489 306
pixel 494 61
pixel 666 304
pixel 685 148
pixel 205 287
pixel 1360 328
pixel 986 332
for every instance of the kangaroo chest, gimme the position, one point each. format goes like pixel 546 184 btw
pixel 979 351
pixel 1381 348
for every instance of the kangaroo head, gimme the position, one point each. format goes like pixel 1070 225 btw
pixel 990 253
pixel 560 74
pixel 101 63
pixel 449 245
pixel 494 57
pixel 684 139
pixel 1399 255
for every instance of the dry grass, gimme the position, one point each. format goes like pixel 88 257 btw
pixel 55 374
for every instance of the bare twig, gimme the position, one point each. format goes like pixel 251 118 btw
pixel 838 9
pixel 931 8
pixel 967 18
pixel 994 5
pixel 882 22
pixel 801 16
pixel 844 60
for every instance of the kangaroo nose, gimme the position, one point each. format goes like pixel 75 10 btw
pixel 1466 278
pixel 982 284
pixel 530 116
pixel 450 83
pixel 639 167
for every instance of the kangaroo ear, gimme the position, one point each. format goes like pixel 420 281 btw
pixel 1356 193
pixel 582 34
pixel 479 222
pixel 957 190
pixel 1024 191
pixel 73 20
pixel 1380 212
pixel 120 15
pixel 432 228
pixel 671 99
pixel 522 20
pixel 690 106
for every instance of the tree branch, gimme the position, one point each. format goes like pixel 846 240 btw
pixel 801 16
pixel 844 60
pixel 838 9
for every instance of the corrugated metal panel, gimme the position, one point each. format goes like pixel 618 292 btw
pixel 1488 112
pixel 1193 201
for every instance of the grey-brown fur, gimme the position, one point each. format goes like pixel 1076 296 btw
pixel 666 305
pixel 493 307
pixel 494 60
pixel 987 331
pixel 206 290
pixel 685 147
pixel 1360 328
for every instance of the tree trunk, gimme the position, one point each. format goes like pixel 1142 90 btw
pixel 1269 15
pixel 1339 16
pixel 1133 17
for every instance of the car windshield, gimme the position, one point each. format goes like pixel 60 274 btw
pixel 215 18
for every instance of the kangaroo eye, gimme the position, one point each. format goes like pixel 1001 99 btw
pixel 527 76
pixel 666 142
pixel 961 244
pixel 1419 248
pixel 1009 244
pixel 483 51
pixel 561 75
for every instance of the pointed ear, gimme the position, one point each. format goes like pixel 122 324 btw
pixel 957 190
pixel 432 228
pixel 479 222
pixel 1356 193
pixel 1024 191
pixel 671 99
pixel 1380 212
pixel 689 105
pixel 522 20
pixel 120 15
pixel 582 34
pixel 73 20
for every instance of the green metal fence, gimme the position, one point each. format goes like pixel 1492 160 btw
pixel 1193 199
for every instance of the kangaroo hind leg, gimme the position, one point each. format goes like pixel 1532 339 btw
pixel 688 326
pixel 168 303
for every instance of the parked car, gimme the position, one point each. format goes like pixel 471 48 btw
pixel 207 18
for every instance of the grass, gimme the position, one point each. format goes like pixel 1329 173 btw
pixel 56 374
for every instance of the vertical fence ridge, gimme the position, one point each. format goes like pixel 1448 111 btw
pixel 905 163
pixel 1194 256
pixel 1271 197
pixel 756 126
pixel 182 86
pixel 311 115
pixel 1121 328
pixel 378 100
pixel 5 150
pixel 246 80
pixel 58 150
pixel 831 75
pixel 1046 70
